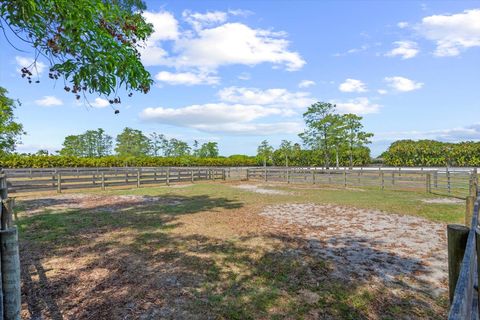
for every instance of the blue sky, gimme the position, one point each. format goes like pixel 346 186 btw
pixel 239 72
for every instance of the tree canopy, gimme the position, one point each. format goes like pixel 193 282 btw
pixel 329 132
pixel 92 143
pixel 10 130
pixel 92 44
pixel 132 143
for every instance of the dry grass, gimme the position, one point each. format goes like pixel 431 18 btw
pixel 204 252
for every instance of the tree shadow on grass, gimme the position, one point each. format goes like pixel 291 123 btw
pixel 158 274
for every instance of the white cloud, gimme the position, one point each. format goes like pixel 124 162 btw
pixel 272 97
pixel 211 113
pixel 202 20
pixel 404 49
pixel 187 78
pixel 352 85
pixel 49 101
pixel 468 133
pixel 382 91
pixel 256 128
pixel 165 28
pixel 222 117
pixel 244 76
pixel 28 62
pixel 403 84
pixel 100 103
pixel 235 43
pixel 452 33
pixel 358 106
pixel 362 48
pixel 402 24
pixel 306 83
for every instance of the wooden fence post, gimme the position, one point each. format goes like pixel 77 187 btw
pixel 345 178
pixel 457 236
pixel 138 178
pixel 223 175
pixel 393 178
pixel 266 179
pixel 470 204
pixel 59 183
pixel 288 175
pixel 10 273
pixel 313 176
pixel 248 174
pixel 192 179
pixel 103 180
pixel 428 183
pixel 449 186
pixel 168 176
pixel 382 180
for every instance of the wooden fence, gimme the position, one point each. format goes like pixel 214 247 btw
pixel 447 182
pixel 463 255
pixel 31 180
pixel 10 292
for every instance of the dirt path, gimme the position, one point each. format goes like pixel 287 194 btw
pixel 367 243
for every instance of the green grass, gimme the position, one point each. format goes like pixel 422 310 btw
pixel 390 201
pixel 228 276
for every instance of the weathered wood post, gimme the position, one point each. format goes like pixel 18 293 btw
pixel 393 178
pixel 138 178
pixel 10 273
pixel 449 186
pixel 248 176
pixel 103 180
pixel 10 291
pixel 313 176
pixel 457 236
pixel 191 173
pixel 435 179
pixel 470 204
pixel 382 180
pixel 428 183
pixel 168 177
pixel 59 182
pixel 475 182
pixel 223 175
pixel 288 175
pixel 266 179
pixel 344 178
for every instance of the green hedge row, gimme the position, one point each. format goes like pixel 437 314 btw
pixel 430 153
pixel 34 161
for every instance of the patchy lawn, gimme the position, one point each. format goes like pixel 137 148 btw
pixel 235 251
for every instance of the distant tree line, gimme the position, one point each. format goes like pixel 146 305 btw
pixel 430 153
pixel 133 143
pixel 57 161
pixel 329 137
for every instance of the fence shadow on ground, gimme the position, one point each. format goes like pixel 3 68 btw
pixel 146 271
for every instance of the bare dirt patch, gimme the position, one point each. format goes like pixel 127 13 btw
pixel 260 189
pixel 366 244
pixel 93 202
pixel 444 200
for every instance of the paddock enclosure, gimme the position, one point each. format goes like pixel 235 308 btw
pixel 238 243
pixel 449 181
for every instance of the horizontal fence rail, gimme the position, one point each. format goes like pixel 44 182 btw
pixel 463 273
pixel 64 179
pixel 443 182
pixel 447 181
